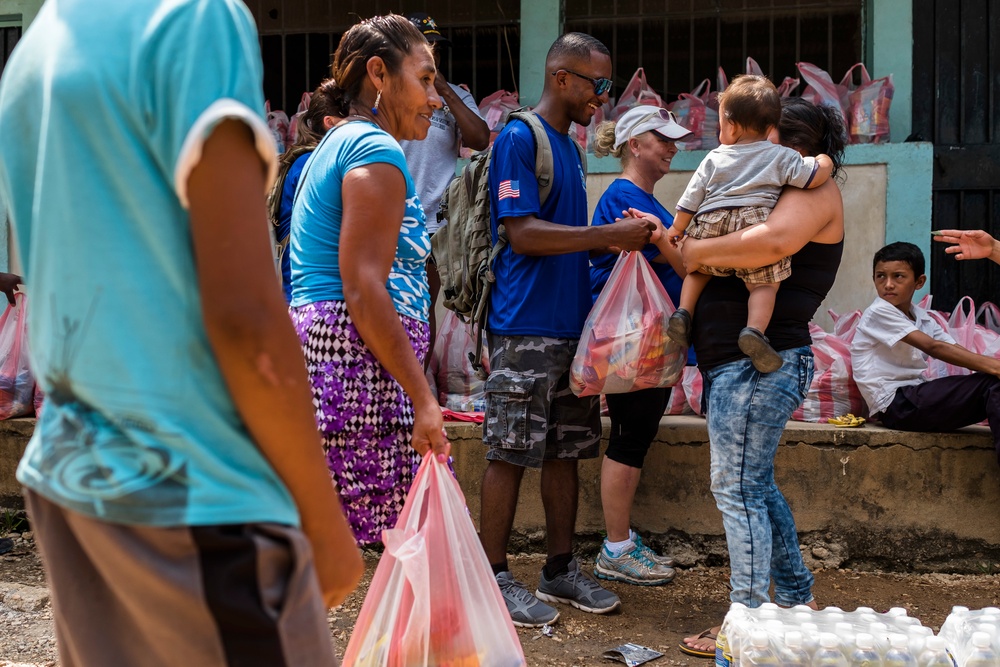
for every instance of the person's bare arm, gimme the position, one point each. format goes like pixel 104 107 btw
pixel 824 169
pixel 475 131
pixel 952 353
pixel 374 203
pixel 799 217
pixel 529 235
pixel 255 345
pixel 969 244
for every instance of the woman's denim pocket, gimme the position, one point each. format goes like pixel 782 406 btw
pixel 508 397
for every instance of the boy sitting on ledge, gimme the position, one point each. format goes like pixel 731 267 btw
pixel 890 354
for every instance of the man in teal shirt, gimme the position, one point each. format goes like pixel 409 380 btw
pixel 177 443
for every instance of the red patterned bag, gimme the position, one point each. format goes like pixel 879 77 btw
pixel 833 391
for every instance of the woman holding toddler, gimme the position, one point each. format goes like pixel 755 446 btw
pixel 747 409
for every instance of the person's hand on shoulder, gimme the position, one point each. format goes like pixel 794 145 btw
pixel 969 243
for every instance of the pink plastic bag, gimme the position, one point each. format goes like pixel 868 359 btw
pixel 277 121
pixel 867 109
pixel 17 383
pixel 833 391
pixel 459 387
pixel 690 112
pixel 293 124
pixel 821 89
pixel 990 314
pixel 433 599
pixel 636 93
pixel 624 346
pixel 685 397
pixel 495 108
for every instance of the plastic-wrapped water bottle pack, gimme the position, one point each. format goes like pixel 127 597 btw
pixel 771 636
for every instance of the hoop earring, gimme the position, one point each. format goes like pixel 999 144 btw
pixel 378 98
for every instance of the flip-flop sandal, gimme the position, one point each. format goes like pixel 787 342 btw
pixel 696 653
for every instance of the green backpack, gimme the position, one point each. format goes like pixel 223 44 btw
pixel 463 249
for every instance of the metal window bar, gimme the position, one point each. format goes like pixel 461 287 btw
pixel 826 32
pixel 321 22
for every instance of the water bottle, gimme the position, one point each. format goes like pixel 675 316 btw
pixel 899 654
pixel 982 654
pixel 864 654
pixel 918 635
pixel 845 633
pixel 810 637
pixel 880 631
pixel 794 653
pixel 864 610
pixel 759 653
pixel 935 653
pixel 829 653
pixel 723 651
pixel 897 612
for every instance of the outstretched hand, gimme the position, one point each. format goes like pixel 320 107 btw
pixel 968 243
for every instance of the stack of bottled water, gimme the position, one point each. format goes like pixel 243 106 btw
pixel 770 636
pixel 973 637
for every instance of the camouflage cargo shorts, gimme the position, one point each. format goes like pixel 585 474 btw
pixel 531 413
pixel 724 221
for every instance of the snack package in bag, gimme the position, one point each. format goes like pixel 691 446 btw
pixel 433 599
pixel 17 383
pixel 624 345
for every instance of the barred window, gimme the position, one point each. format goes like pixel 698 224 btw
pixel 298 38
pixel 681 42
pixel 10 32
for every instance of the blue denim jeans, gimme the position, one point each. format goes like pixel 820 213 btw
pixel 747 411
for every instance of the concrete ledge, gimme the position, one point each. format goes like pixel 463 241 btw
pixel 866 497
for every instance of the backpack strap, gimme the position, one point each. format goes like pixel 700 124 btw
pixel 544 160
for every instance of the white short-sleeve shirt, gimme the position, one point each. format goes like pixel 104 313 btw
pixel 882 361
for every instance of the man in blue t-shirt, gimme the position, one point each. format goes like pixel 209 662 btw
pixel 537 309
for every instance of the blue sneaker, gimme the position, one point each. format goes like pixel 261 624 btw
pixel 632 566
pixel 576 589
pixel 648 552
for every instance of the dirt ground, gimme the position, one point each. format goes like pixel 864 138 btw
pixel 656 617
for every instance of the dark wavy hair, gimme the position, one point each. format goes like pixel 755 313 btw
pixel 814 129
pixel 390 37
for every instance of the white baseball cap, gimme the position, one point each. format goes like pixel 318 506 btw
pixel 644 118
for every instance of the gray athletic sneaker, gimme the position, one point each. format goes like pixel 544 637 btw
pixel 526 611
pixel 648 552
pixel 576 589
pixel 632 567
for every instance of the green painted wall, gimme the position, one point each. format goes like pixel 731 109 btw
pixel 26 9
pixel 889 36
pixel 541 24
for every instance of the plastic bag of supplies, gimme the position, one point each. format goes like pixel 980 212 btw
pixel 624 345
pixel 433 599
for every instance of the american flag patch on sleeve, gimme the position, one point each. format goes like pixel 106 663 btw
pixel 509 190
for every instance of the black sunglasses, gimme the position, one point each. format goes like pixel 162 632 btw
pixel 601 85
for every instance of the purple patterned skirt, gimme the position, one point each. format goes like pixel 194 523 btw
pixel 364 416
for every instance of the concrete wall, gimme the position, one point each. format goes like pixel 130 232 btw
pixel 866 497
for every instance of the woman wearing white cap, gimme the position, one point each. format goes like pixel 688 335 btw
pixel 643 139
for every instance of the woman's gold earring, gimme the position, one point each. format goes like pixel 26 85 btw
pixel 378 98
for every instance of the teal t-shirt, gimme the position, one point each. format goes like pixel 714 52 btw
pixel 104 108
pixel 319 209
